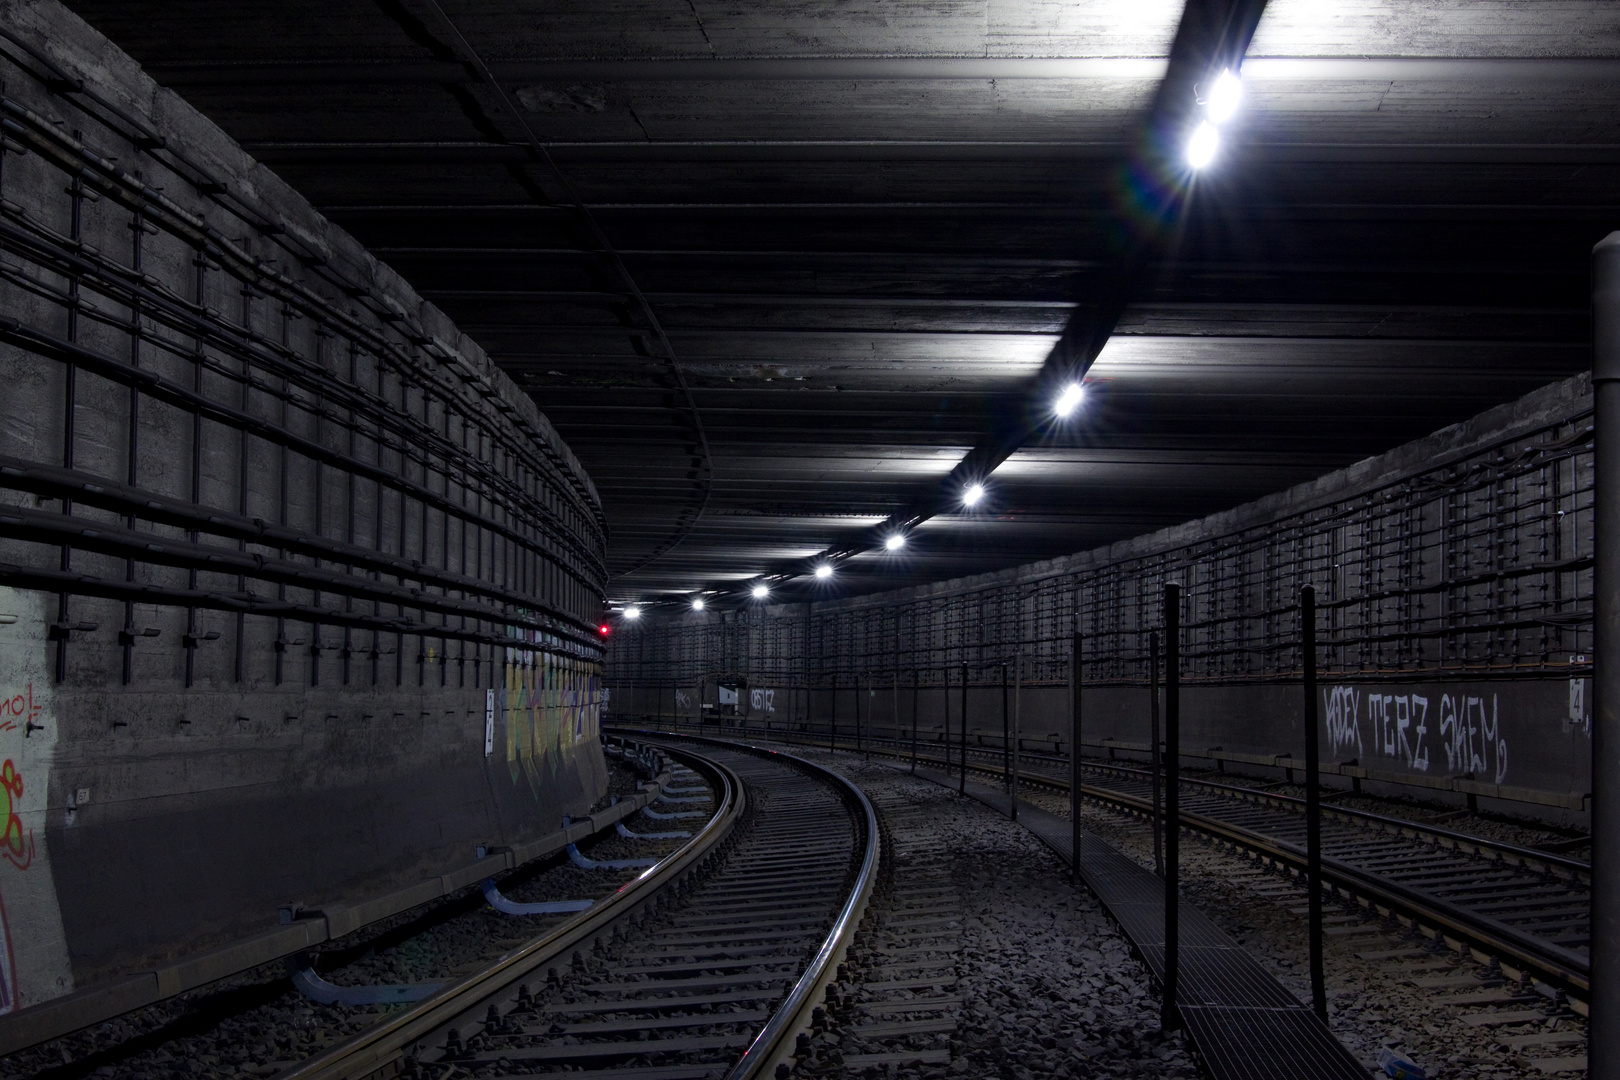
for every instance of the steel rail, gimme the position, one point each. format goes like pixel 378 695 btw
pixel 1555 965
pixel 1501 849
pixel 776 1041
pixel 370 1052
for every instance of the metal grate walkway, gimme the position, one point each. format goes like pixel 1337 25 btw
pixel 1245 1024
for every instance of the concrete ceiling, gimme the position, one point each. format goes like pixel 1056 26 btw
pixel 773 269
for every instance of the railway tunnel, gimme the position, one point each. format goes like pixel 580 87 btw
pixel 676 540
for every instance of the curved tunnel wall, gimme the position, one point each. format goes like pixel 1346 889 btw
pixel 297 591
pixel 1454 585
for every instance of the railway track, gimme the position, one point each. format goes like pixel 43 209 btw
pixel 1524 910
pixel 706 965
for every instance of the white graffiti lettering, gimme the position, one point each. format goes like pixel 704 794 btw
pixel 1343 725
pixel 763 700
pixel 1472 737
pixel 1399 724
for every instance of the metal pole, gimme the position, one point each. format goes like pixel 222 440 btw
pixel 1018 686
pixel 1313 799
pixel 1074 747
pixel 1170 1018
pixel 962 746
pixel 1157 758
pixel 1603 1060
pixel 859 743
pixel 1006 733
pixel 832 720
pixel 916 691
pixel 896 712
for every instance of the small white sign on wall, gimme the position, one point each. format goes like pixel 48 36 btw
pixel 489 722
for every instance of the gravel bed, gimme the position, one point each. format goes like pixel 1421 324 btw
pixel 255 1024
pixel 1049 985
pixel 1371 1002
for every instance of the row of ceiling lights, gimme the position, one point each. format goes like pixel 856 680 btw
pixel 1220 105
pixel 1063 407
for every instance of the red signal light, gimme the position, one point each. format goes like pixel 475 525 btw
pixel 604 630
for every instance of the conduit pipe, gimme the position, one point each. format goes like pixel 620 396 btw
pixel 1603 1060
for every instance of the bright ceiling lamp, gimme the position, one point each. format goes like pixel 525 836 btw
pixel 1224 97
pixel 895 542
pixel 1069 400
pixel 632 612
pixel 761 591
pixel 697 603
pixel 824 570
pixel 972 495
pixel 1203 146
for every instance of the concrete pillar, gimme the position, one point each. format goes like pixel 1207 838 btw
pixel 1604 1032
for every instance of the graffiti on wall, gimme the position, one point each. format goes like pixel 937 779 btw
pixel 1404 727
pixel 762 700
pixel 33 946
pixel 551 703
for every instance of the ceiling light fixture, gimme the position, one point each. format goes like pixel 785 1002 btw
pixel 697 603
pixel 1069 400
pixel 1203 146
pixel 824 570
pixel 973 494
pixel 895 542
pixel 761 591
pixel 1224 97
pixel 632 612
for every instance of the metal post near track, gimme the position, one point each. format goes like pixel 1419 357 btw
pixel 916 691
pixel 860 746
pixel 832 719
pixel 1074 746
pixel 1313 798
pixel 1155 757
pixel 1170 1017
pixel 896 712
pixel 1006 732
pixel 1018 717
pixel 1603 1060
pixel 962 746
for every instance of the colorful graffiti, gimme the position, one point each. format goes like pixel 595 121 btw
pixel 551 703
pixel 16 843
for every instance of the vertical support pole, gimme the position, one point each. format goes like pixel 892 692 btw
pixel 1018 717
pixel 1157 758
pixel 1006 734
pixel 1074 746
pixel 1170 1018
pixel 832 718
pixel 962 746
pixel 860 742
pixel 916 692
pixel 896 713
pixel 1604 1026
pixel 1313 798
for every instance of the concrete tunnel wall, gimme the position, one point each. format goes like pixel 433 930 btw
pixel 1502 717
pixel 321 620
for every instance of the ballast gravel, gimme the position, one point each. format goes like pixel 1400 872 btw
pixel 1049 985
pixel 1372 1000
